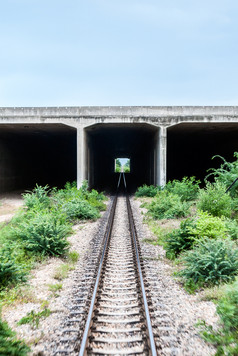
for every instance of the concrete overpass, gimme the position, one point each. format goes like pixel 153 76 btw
pixel 56 144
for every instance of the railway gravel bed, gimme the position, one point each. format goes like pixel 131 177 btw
pixel 174 311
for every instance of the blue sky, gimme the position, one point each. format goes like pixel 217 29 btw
pixel 118 52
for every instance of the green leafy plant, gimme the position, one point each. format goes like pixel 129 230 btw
pixel 9 344
pixel 147 191
pixel 210 226
pixel 80 209
pixel 73 256
pixel 11 272
pixel 187 188
pixel 211 262
pixel 34 318
pixel 63 270
pixel 215 200
pixel 180 240
pixel 225 338
pixel 167 205
pixel 232 228
pixel 38 198
pixel 226 173
pixel 45 234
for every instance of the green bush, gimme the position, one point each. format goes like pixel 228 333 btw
pixel 209 226
pixel 225 338
pixel 96 199
pixel 187 188
pixel 215 200
pixel 180 239
pixel 44 233
pixel 11 272
pixel 232 228
pixel 226 174
pixel 167 205
pixel 9 345
pixel 147 191
pixel 211 262
pixel 80 209
pixel 38 198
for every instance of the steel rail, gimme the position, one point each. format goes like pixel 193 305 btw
pixel 84 341
pixel 146 308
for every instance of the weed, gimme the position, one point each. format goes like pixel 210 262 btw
pixel 55 287
pixel 225 338
pixel 180 239
pixel 38 198
pixel 215 200
pixel 18 294
pixel 207 225
pixel 62 271
pixel 34 318
pixel 73 256
pixel 147 191
pixel 11 273
pixel 44 234
pixel 80 209
pixel 187 188
pixel 167 205
pixel 226 173
pixel 211 262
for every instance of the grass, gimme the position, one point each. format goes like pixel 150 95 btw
pixel 17 295
pixel 62 271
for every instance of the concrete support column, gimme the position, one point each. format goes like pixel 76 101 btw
pixel 161 156
pixel 81 156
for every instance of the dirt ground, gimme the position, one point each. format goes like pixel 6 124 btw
pixel 9 203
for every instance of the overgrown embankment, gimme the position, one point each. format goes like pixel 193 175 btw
pixel 38 231
pixel 204 247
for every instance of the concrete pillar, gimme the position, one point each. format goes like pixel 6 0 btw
pixel 81 156
pixel 161 156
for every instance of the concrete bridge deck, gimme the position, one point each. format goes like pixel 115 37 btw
pixel 55 144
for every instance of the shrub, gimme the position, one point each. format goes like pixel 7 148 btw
pixel 211 262
pixel 44 233
pixel 226 173
pixel 209 226
pixel 167 205
pixel 187 188
pixel 179 239
pixel 80 209
pixel 38 198
pixel 232 228
pixel 147 191
pixel 225 338
pixel 10 271
pixel 9 345
pixel 215 200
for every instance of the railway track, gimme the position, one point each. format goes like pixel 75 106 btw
pixel 114 308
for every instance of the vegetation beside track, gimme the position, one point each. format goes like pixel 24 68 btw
pixel 39 230
pixel 204 247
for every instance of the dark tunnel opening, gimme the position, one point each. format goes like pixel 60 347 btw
pixel 190 148
pixel 36 153
pixel 133 141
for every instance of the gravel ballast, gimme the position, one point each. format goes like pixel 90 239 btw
pixel 181 309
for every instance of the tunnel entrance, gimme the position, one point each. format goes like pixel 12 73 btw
pixel 36 153
pixel 132 141
pixel 190 148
